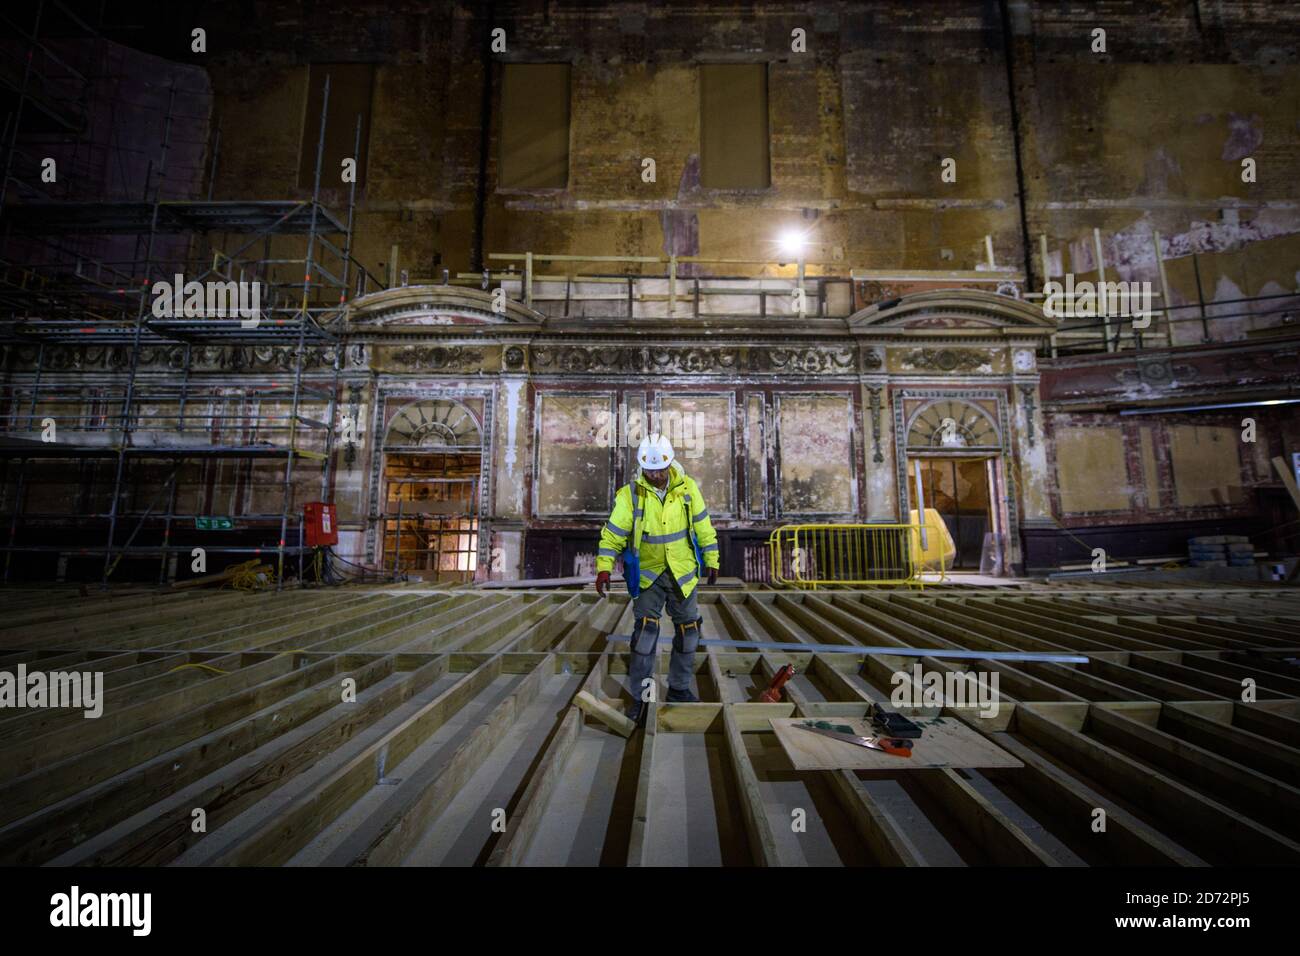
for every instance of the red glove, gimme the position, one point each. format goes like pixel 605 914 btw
pixel 713 575
pixel 602 582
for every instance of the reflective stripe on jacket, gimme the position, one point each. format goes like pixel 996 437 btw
pixel 664 530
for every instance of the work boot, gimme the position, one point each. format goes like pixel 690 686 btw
pixel 684 696
pixel 634 709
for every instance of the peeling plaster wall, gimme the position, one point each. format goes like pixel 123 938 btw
pixel 857 124
pixel 1032 479
pixel 816 462
pixel 1148 136
pixel 512 456
pixel 1107 470
pixel 882 495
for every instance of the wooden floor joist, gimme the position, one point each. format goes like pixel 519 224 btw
pixel 393 725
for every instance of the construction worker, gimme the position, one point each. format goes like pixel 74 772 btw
pixel 661 527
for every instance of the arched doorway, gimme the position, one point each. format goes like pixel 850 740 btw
pixel 430 516
pixel 953 448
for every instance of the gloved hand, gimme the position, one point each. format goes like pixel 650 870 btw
pixel 602 582
pixel 713 575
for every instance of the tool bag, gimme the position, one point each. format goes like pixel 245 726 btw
pixel 632 553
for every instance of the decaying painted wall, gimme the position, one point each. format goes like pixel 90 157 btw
pixel 1048 136
pixel 816 473
pixel 1108 469
pixel 574 453
pixel 858 126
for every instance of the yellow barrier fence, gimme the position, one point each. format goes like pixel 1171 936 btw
pixel 847 555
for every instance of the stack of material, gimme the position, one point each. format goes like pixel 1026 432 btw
pixel 1221 551
pixel 248 576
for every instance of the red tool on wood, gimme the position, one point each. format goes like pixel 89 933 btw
pixel 773 693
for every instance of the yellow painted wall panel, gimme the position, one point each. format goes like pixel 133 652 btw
pixel 535 126
pixel 1090 470
pixel 1207 465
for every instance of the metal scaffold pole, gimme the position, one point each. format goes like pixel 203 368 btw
pixel 303 318
pixel 22 100
pixel 124 438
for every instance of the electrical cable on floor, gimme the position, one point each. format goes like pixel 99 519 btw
pixel 251 576
pixel 332 575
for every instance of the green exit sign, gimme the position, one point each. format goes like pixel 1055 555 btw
pixel 214 524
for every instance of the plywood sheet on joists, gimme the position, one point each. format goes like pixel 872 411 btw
pixel 945 742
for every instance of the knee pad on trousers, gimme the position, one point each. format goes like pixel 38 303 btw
pixel 645 635
pixel 686 637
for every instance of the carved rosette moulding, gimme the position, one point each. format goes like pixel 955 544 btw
pixel 945 360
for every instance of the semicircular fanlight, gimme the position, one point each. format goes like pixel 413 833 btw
pixel 433 423
pixel 951 424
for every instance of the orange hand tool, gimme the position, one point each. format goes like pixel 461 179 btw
pixel 898 746
pixel 773 693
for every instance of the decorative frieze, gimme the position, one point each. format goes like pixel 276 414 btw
pixel 803 361
pixel 1155 372
pixel 946 360
pixel 671 360
pixel 203 358
pixel 633 359
pixel 437 358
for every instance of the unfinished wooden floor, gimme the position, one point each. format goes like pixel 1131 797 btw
pixel 463 746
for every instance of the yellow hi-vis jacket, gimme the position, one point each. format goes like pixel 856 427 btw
pixel 662 529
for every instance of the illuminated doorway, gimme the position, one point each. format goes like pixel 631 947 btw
pixel 958 489
pixel 430 507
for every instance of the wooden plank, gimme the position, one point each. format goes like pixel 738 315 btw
pixel 424 795
pixel 295 824
pixel 1268 800
pixel 1193 677
pixel 1232 837
pixel 1002 839
pixel 606 714
pixel 522 825
pixel 884 835
pixel 640 835
pixel 1267 723
pixel 1127 839
pixel 945 742
pixel 1262 753
pixel 59 827
pixel 167 832
pixel 762 843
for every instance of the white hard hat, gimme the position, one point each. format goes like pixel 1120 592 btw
pixel 654 452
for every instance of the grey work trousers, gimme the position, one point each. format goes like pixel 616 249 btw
pixel 683 610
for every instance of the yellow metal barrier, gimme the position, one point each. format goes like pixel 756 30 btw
pixel 847 555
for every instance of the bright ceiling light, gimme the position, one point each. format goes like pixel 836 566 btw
pixel 792 243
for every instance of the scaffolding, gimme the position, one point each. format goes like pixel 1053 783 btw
pixel 129 417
